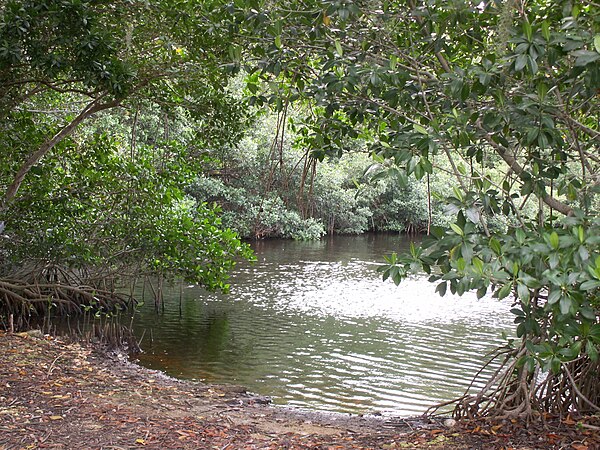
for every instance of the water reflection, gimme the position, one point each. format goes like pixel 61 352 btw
pixel 313 325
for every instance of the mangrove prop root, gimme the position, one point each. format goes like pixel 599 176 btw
pixel 21 298
pixel 511 391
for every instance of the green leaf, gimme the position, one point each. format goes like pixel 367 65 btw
pixel 554 296
pixel 521 62
pixel 595 332
pixel 533 68
pixel 458 230
pixel 588 313
pixel 555 364
pixel 546 30
pixel 504 291
pixel 481 292
pixel 554 241
pixel 581 234
pixel 495 246
pixel 478 265
pixel 466 251
pixel 591 351
pixel 523 293
pixel 517 312
pixel 420 129
pixel 597 43
pixel 590 285
pixel 585 57
pixel 338 48
pixel 515 269
pixel 528 30
pixel 441 288
pixel 473 215
pixel 554 260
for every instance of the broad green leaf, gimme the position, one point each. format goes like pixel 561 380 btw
pixel 546 30
pixel 478 265
pixel 420 129
pixel 466 251
pixel 565 304
pixel 591 350
pixel 504 291
pixel 554 241
pixel 585 57
pixel 520 235
pixel 521 62
pixel 554 296
pixel 458 230
pixel 523 293
pixel 590 285
pixel 495 246
pixel 338 48
pixel 441 288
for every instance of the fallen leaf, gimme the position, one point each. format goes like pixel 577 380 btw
pixel 568 420
pixel 140 441
pixel 55 417
pixel 579 447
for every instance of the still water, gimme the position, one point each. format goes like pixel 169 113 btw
pixel 312 325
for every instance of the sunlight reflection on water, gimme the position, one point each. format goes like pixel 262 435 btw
pixel 313 326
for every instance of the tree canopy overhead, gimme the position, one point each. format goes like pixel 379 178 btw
pixel 465 79
pixel 505 96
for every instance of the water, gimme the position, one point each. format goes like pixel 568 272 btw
pixel 313 326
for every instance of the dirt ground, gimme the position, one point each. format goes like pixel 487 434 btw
pixel 61 395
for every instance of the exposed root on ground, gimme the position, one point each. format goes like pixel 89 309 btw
pixel 40 288
pixel 514 391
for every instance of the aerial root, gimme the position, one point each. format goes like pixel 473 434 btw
pixel 21 298
pixel 512 391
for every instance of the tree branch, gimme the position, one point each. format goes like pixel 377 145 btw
pixel 512 162
pixel 64 132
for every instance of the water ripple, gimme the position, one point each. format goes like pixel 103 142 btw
pixel 313 326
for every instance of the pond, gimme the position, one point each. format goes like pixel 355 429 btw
pixel 312 325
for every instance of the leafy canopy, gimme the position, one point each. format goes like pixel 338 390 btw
pixel 482 85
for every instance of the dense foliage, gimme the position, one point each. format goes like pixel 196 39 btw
pixel 107 112
pixel 507 92
pixel 283 191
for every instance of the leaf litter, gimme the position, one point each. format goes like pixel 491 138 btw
pixel 57 394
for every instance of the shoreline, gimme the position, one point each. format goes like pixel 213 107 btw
pixel 59 394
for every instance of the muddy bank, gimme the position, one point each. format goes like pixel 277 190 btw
pixel 56 394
